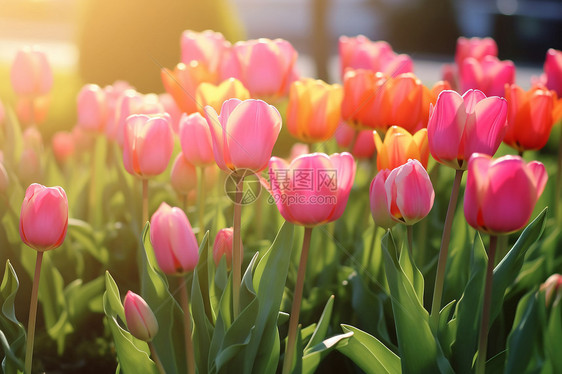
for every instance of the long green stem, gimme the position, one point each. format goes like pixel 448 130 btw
pixel 558 192
pixel 156 359
pixel 184 299
pixel 410 234
pixel 371 249
pixel 295 309
pixel 443 252
pixel 483 340
pixel 144 201
pixel 33 314
pixel 237 249
pixel 201 197
pixel 92 189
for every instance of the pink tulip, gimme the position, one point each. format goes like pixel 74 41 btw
pixel 490 75
pixel 183 176
pixel 195 139
pixel 207 47
pixel 243 134
pixel 379 204
pixel 169 105
pixel 265 67
pixel 313 189
pixel 172 237
pixel 31 74
pixel 363 141
pixel 223 246
pixel 141 321
pixel 112 95
pixel 148 145
pixel 92 108
pixel 361 53
pixel 298 149
pixel 501 194
pixel 477 48
pixel 553 71
pixel 409 193
pixel 462 125
pixel 44 217
pixel 552 289
pixel 63 146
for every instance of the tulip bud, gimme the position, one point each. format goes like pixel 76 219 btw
pixel 501 194
pixel 379 203
pixel 141 322
pixel 552 288
pixel 44 217
pixel 92 108
pixel 183 176
pixel 31 74
pixel 195 139
pixel 172 237
pixel 409 193
pixel 399 146
pixel 223 246
pixel 298 149
pixel 553 71
pixel 63 146
pixel 214 95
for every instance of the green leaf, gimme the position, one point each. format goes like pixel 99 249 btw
pixel 553 337
pixel 315 354
pixel 133 354
pixel 12 332
pixel 368 352
pixel 412 273
pixel 420 352
pixel 322 326
pixel 522 337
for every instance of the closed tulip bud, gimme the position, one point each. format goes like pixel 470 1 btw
pixel 195 139
pixel 462 125
pixel 4 179
pixel 31 73
pixel 92 108
pixel 529 117
pixel 360 89
pixel 44 217
pixel 148 145
pixel 399 146
pixel 313 189
pixel 141 322
pixel 313 114
pixel 63 146
pixel 172 237
pixel 361 53
pixel 553 71
pixel 379 204
pixel 183 176
pixel 477 48
pixel 243 134
pixel 265 67
pixel 489 75
pixel 182 82
pixel 552 289
pixel 501 194
pixel 223 246
pixel 207 47
pixel 215 95
pixel 409 193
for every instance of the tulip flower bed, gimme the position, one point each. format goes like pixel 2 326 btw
pixel 378 225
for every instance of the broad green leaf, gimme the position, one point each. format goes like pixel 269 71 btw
pixel 133 354
pixel 553 337
pixel 322 326
pixel 368 352
pixel 521 339
pixel 420 352
pixel 315 354
pixel 12 332
pixel 412 273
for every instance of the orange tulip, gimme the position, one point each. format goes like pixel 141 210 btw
pixel 399 146
pixel 214 95
pixel 183 81
pixel 314 109
pixel 529 117
pixel 360 88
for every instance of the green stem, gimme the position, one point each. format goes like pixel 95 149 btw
pixel 183 199
pixel 33 314
pixel 483 340
pixel 558 192
pixel 237 248
pixel 201 197
pixel 520 153
pixel 184 299
pixel 443 252
pixel 410 234
pixel 297 298
pixel 144 201
pixel 156 359
pixel 92 189
pixel 371 249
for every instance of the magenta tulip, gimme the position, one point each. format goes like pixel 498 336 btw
pixel 553 71
pixel 409 193
pixel 31 74
pixel 148 145
pixel 243 134
pixel 195 139
pixel 477 48
pixel 141 321
pixel 501 194
pixel 172 237
pixel 462 125
pixel 490 75
pixel 44 217
pixel 379 203
pixel 313 189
